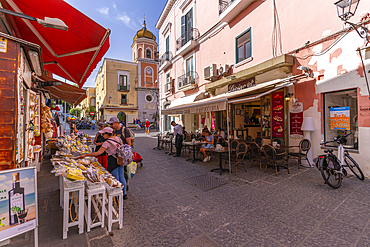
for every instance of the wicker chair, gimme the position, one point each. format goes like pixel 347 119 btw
pixel 258 140
pixel 304 147
pixel 241 151
pixel 274 159
pixel 256 154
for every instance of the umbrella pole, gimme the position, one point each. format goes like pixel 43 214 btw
pixel 228 136
pixel 65 118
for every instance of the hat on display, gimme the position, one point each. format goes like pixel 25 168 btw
pixel 106 130
pixel 113 120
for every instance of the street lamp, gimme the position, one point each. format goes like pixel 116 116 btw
pixel 346 9
pixel 48 22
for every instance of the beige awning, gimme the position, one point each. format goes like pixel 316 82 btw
pixel 219 102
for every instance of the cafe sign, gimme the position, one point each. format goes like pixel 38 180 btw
pixel 251 82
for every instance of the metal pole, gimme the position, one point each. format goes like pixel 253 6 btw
pixel 65 118
pixel 228 135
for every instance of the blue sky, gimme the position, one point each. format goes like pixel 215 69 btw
pixel 124 18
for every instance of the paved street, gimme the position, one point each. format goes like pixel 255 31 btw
pixel 254 209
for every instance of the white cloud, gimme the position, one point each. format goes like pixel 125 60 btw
pixel 114 5
pixel 125 19
pixel 103 10
pixel 2 177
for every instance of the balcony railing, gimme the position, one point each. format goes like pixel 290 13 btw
pixel 167 56
pixel 192 34
pixel 187 79
pixel 223 5
pixel 122 88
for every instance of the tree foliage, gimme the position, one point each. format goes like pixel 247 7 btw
pixel 90 109
pixel 75 112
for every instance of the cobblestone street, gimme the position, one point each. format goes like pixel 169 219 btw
pixel 253 209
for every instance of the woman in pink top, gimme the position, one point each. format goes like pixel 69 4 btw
pixel 110 145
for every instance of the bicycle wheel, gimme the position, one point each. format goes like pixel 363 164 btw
pixel 331 177
pixel 352 164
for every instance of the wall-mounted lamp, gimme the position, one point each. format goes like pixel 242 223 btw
pixel 288 96
pixel 110 97
pixel 307 71
pixel 346 9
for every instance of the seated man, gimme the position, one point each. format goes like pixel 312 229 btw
pixel 209 141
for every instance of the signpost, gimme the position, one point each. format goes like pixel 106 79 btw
pixel 92 113
pixel 296 120
pixel 18 202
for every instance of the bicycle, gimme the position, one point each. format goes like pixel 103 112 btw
pixel 333 168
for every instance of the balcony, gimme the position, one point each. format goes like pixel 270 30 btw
pixel 122 88
pixel 165 60
pixel 187 81
pixel 229 9
pixel 187 42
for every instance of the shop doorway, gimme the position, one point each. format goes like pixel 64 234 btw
pixel 122 118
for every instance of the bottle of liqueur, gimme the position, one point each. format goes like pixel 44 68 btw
pixel 16 199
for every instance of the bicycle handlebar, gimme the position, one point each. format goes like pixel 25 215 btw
pixel 337 140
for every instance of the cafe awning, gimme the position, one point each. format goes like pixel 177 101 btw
pixel 66 92
pixel 71 54
pixel 219 102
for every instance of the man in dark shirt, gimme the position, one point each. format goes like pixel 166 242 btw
pixel 120 130
pixel 179 136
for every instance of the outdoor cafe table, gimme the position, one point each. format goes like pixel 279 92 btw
pixel 193 145
pixel 220 151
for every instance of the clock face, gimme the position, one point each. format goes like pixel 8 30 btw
pixel 148 70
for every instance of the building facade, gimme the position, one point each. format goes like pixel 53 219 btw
pixel 219 60
pixel 128 90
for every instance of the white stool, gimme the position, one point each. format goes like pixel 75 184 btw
pixel 112 211
pixel 95 203
pixel 79 208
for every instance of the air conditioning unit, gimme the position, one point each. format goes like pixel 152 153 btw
pixel 224 69
pixel 210 72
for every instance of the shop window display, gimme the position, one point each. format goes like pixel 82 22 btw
pixel 340 116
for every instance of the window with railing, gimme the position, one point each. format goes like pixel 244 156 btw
pixel 123 83
pixel 167 56
pixel 189 78
pixel 243 46
pixel 223 5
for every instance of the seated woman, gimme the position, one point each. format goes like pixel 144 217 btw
pixel 220 133
pixel 209 141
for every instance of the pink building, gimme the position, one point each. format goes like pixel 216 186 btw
pixel 243 58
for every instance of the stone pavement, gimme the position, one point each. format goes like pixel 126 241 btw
pixel 253 209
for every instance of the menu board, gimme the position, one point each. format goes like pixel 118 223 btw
pixel 340 118
pixel 296 120
pixel 278 114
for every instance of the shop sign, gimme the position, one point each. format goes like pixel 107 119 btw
pixel 251 82
pixel 278 114
pixel 18 202
pixel 365 110
pixel 296 120
pixel 3 44
pixel 92 113
pixel 340 118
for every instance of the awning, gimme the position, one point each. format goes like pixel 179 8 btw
pixel 71 54
pixel 66 92
pixel 184 100
pixel 219 102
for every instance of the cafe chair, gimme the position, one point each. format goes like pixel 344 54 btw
pixel 274 159
pixel 258 140
pixel 256 154
pixel 278 141
pixel 241 151
pixel 185 146
pixel 304 147
pixel 249 138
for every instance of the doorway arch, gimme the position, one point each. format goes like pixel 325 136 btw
pixel 122 118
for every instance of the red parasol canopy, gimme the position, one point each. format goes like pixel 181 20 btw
pixel 71 54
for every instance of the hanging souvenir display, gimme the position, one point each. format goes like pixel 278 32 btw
pixel 20 125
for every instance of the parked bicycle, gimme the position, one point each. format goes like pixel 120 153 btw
pixel 333 168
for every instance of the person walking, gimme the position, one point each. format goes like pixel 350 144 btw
pixel 147 125
pixel 93 124
pixel 178 137
pixel 110 145
pixel 138 127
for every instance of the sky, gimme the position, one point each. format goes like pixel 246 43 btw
pixel 124 18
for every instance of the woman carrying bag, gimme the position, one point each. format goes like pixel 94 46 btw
pixel 110 145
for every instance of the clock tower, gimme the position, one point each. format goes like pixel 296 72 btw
pixel 144 53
